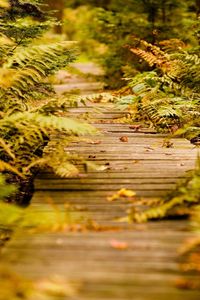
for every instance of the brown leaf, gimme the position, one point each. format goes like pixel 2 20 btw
pixel 187 284
pixel 124 139
pixel 92 156
pixel 135 127
pixel 135 161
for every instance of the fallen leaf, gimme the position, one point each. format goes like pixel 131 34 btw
pixel 122 193
pixel 167 143
pixel 119 245
pixel 92 156
pixel 113 197
pixel 186 284
pixel 124 139
pixel 135 161
pixel 94 142
pixel 135 127
pixel 126 193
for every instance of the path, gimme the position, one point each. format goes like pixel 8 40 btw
pixel 148 268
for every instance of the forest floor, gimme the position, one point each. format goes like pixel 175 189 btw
pixel 103 258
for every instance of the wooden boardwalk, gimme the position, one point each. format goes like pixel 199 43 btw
pixel 147 268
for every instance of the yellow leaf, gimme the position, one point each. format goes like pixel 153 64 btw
pixel 122 193
pixel 126 193
pixel 113 197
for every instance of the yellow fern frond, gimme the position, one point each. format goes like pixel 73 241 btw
pixel 66 169
pixel 6 148
pixel 7 167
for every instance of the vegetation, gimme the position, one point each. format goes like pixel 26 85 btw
pixel 144 53
pixel 113 25
pixel 168 96
pixel 28 102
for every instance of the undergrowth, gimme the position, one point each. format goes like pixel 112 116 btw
pixel 167 97
pixel 29 106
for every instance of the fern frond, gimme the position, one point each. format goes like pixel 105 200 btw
pixel 161 211
pixel 24 57
pixel 33 67
pixel 7 167
pixel 43 123
pixel 178 202
pixel 65 169
pixel 148 57
pixel 6 148
pixel 23 31
pixel 59 163
pixel 27 132
pixel 152 54
pixel 172 45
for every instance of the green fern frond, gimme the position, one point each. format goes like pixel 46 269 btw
pixel 24 57
pixel 56 105
pixel 60 162
pixel 25 134
pixel 26 73
pixel 30 31
pixel 43 123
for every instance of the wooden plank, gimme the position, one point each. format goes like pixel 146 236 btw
pixel 120 175
pixel 111 187
pixel 148 268
pixel 100 181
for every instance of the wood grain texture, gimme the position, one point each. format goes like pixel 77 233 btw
pixel 148 268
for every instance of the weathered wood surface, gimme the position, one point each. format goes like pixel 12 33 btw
pixel 148 268
pixel 79 83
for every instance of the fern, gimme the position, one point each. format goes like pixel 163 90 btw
pixel 167 97
pixel 30 70
pixel 25 133
pixel 29 105
pixel 182 201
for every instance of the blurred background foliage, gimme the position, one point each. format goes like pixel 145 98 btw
pixel 104 28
